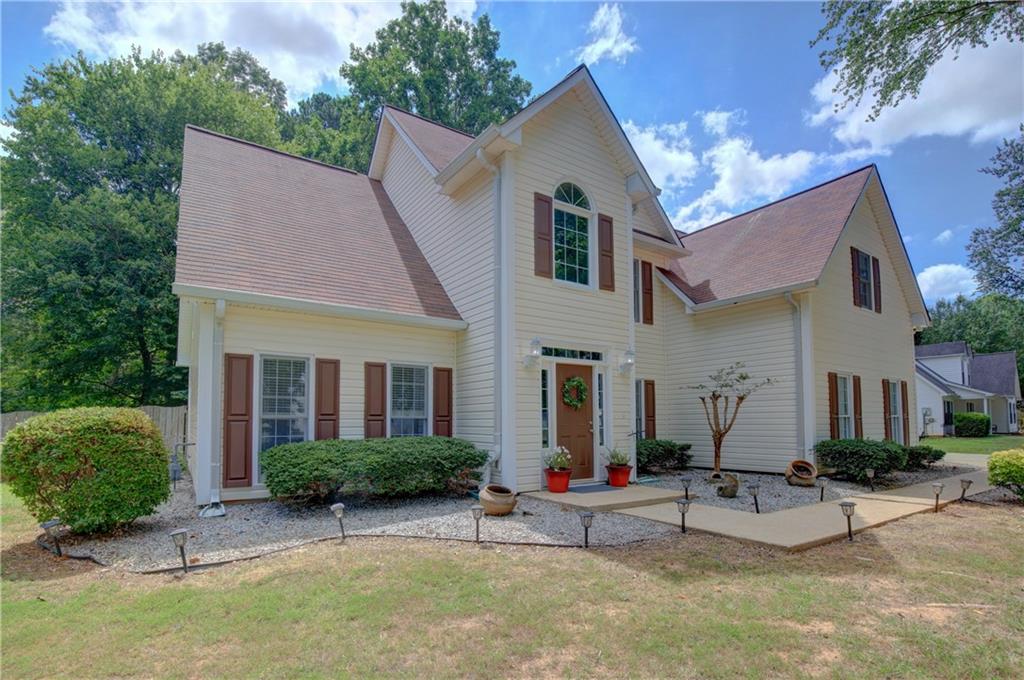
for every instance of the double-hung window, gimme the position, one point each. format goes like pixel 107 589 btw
pixel 844 410
pixel 408 401
pixel 864 283
pixel 895 412
pixel 284 401
pixel 572 234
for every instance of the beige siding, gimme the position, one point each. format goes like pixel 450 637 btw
pixel 858 341
pixel 456 235
pixel 650 340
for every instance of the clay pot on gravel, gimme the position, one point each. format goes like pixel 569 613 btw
pixel 801 473
pixel 497 500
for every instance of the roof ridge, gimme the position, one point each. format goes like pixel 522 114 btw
pixel 780 200
pixel 263 147
pixel 428 120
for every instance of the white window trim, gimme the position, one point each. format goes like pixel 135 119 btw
pixel 639 416
pixel 550 364
pixel 429 396
pixel 257 403
pixel 872 284
pixel 896 411
pixel 591 216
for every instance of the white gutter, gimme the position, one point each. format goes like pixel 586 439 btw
pixel 499 366
pixel 314 307
pixel 799 373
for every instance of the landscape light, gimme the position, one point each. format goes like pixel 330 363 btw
pixel 587 520
pixel 965 484
pixel 50 527
pixel 822 483
pixel 180 536
pixel 870 472
pixel 686 480
pixel 478 512
pixel 847 508
pixel 684 506
pixel 339 511
pixel 753 489
pixel 937 488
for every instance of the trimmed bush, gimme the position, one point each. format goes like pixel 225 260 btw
pixel 94 468
pixel 972 425
pixel 401 466
pixel 921 456
pixel 1006 469
pixel 661 454
pixel 853 457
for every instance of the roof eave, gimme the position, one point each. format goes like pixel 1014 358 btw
pixel 694 307
pixel 662 246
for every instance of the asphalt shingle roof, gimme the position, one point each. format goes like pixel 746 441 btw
pixel 996 373
pixel 439 143
pixel 938 349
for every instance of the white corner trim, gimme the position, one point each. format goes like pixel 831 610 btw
pixel 510 374
pixel 314 307
pixel 809 398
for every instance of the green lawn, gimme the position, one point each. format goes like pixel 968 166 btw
pixel 933 596
pixel 975 444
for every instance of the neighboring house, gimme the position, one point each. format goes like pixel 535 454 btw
pixel 456 288
pixel 951 379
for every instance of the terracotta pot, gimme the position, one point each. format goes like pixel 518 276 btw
pixel 557 480
pixel 618 475
pixel 801 473
pixel 497 500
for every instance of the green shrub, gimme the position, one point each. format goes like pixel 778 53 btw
pixel 661 454
pixel 1006 469
pixel 921 456
pixel 972 425
pixel 402 466
pixel 853 457
pixel 94 468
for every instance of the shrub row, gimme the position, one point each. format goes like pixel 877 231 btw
pixel 1006 469
pixel 972 425
pixel 854 457
pixel 402 466
pixel 662 454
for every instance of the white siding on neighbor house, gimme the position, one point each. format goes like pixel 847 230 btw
pixel 759 334
pixel 651 339
pixel 561 144
pixel 859 341
pixel 928 396
pixel 456 235
pixel 953 368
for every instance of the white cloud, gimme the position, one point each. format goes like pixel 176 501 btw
pixel 979 94
pixel 946 280
pixel 718 122
pixel 665 152
pixel 608 40
pixel 303 44
pixel 944 237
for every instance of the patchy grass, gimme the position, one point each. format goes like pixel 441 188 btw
pixel 927 597
pixel 975 444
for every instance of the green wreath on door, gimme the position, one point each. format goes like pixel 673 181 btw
pixel 574 392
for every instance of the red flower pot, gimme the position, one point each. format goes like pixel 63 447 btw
pixel 557 480
pixel 618 475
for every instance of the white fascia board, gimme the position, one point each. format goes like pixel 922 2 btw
pixel 314 307
pixel 692 307
pixel 659 245
pixel 690 304
pixel 376 170
pixel 400 131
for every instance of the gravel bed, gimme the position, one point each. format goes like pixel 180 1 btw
pixel 256 528
pixel 776 493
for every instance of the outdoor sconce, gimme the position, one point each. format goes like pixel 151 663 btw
pixel 870 472
pixel 686 481
pixel 847 508
pixel 822 483
pixel 937 488
pixel 339 511
pixel 50 527
pixel 179 536
pixel 965 484
pixel 684 506
pixel 753 489
pixel 535 353
pixel 587 520
pixel 628 361
pixel 478 512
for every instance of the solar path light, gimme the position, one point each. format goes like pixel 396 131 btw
pixel 684 506
pixel 847 507
pixel 587 520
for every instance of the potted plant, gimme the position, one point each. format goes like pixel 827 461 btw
pixel 558 469
pixel 618 468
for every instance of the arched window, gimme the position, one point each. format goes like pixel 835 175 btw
pixel 572 234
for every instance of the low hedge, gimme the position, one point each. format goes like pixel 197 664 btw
pixel 95 469
pixel 922 456
pixel 972 425
pixel 401 466
pixel 1006 469
pixel 661 454
pixel 853 457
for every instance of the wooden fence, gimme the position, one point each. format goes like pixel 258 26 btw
pixel 170 420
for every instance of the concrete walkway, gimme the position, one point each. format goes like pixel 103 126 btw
pixel 811 525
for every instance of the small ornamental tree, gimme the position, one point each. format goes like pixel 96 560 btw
pixel 729 387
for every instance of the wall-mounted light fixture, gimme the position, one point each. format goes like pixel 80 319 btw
pixel 535 353
pixel 628 360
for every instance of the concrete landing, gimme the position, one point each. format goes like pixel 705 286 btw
pixel 633 496
pixel 807 526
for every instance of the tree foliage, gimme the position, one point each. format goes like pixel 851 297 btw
pixel 238 67
pixel 883 49
pixel 332 129
pixel 997 253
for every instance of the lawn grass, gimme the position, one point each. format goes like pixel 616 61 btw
pixel 975 444
pixel 932 596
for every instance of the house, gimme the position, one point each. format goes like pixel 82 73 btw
pixel 951 379
pixel 457 288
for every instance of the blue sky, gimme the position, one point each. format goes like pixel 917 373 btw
pixel 725 102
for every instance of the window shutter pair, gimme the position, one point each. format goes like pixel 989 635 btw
pixel 647 292
pixel 375 401
pixel 543 243
pixel 876 280
pixel 650 420
pixel 833 407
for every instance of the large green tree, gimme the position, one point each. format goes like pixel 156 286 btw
pixel 997 253
pixel 332 129
pixel 90 185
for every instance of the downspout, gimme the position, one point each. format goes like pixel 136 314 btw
pixel 499 365
pixel 216 508
pixel 799 374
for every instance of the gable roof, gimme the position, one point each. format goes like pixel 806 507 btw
pixel 996 373
pixel 259 221
pixel 439 143
pixel 934 378
pixel 939 349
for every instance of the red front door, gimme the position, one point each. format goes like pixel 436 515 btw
pixel 576 426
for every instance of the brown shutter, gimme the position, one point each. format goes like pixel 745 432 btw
pixel 877 279
pixel 543 256
pixel 833 406
pixel 650 419
pixel 886 408
pixel 443 402
pixel 647 292
pixel 237 420
pixel 375 406
pixel 328 393
pixel 606 252
pixel 856 278
pixel 906 412
pixel 858 412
